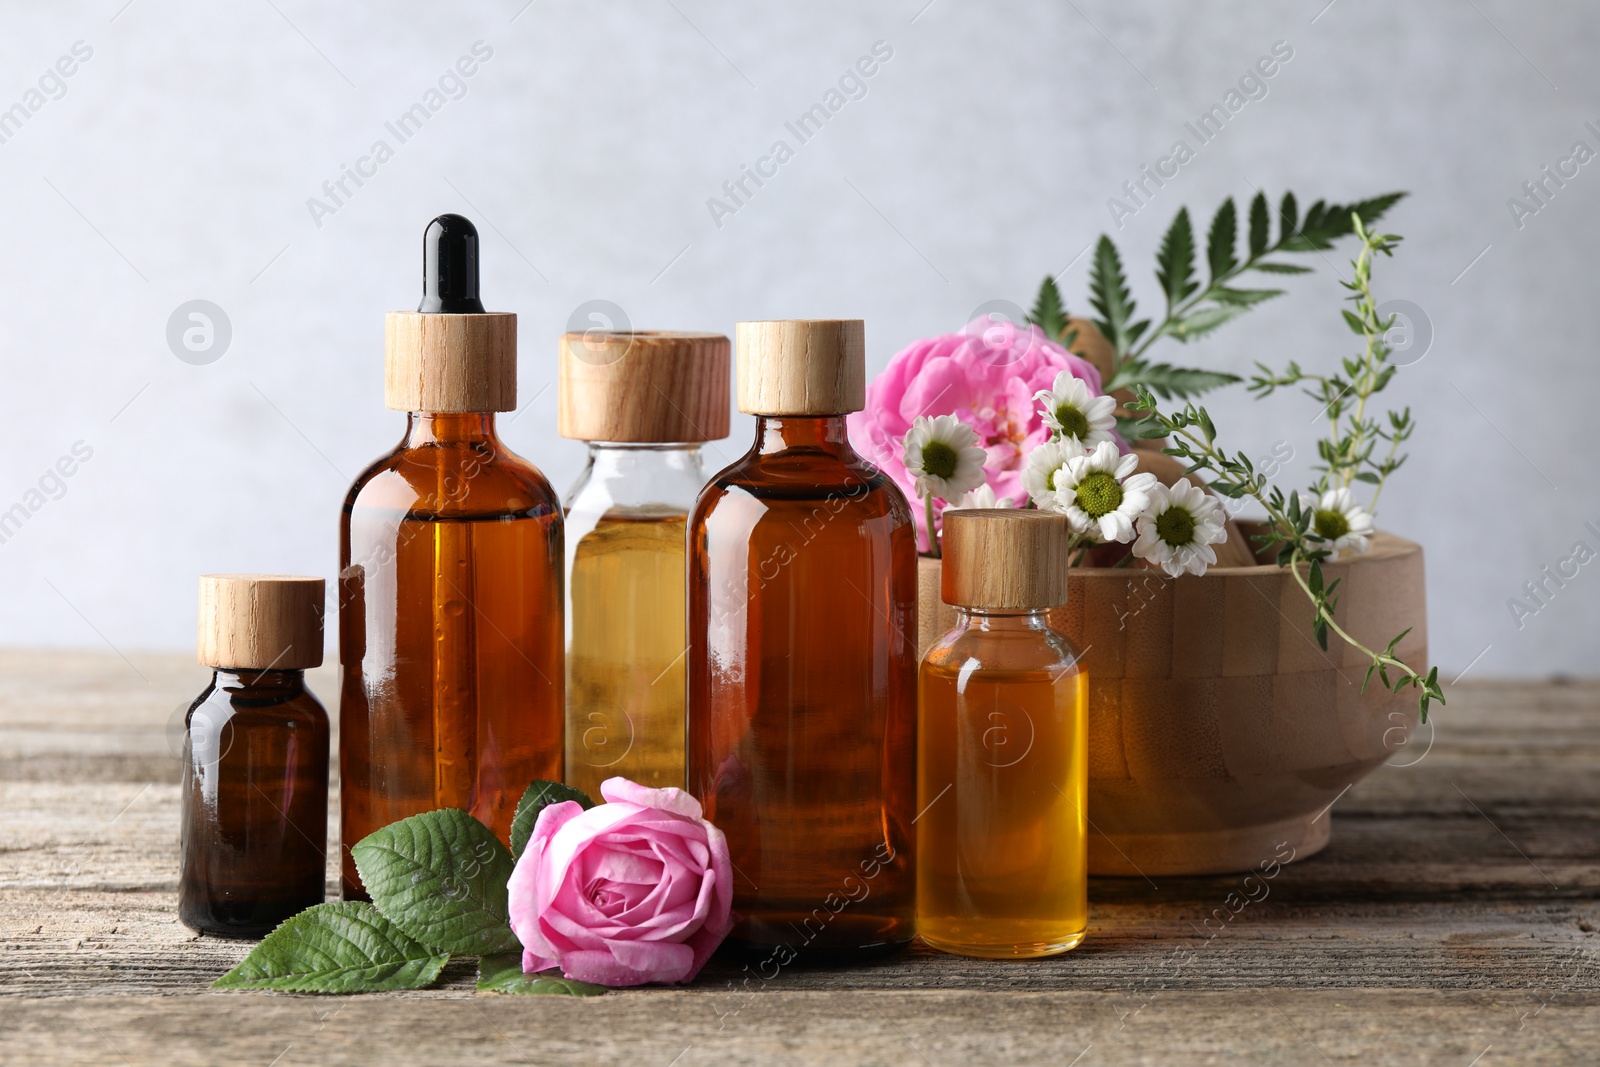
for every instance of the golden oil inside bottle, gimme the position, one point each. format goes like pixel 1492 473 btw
pixel 1002 840
pixel 625 656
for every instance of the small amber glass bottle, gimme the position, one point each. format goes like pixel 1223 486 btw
pixel 802 667
pixel 1002 774
pixel 255 774
pixel 644 402
pixel 450 598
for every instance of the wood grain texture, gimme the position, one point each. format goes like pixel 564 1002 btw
pixel 801 366
pixel 261 621
pixel 1456 910
pixel 643 386
pixel 450 363
pixel 1000 558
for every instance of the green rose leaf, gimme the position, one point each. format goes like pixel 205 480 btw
pixel 503 974
pixel 441 878
pixel 346 947
pixel 540 795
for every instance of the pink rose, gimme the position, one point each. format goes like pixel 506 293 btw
pixel 632 891
pixel 986 375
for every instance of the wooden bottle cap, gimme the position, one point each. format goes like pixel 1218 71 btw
pixel 261 621
pixel 801 366
pixel 1005 558
pixel 450 363
pixel 643 386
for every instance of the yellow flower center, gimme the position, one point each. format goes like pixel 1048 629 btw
pixel 939 459
pixel 1330 525
pixel 1099 494
pixel 1074 423
pixel 1175 526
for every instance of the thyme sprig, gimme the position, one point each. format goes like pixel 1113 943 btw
pixel 1347 453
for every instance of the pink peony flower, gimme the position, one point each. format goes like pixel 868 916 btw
pixel 632 891
pixel 986 375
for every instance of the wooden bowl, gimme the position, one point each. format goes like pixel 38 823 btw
pixel 1219 732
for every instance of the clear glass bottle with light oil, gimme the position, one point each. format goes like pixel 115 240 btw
pixel 254 830
pixel 1002 865
pixel 451 601
pixel 645 402
pixel 802 662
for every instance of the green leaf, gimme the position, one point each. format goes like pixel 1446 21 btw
pixel 347 947
pixel 538 796
pixel 1146 427
pixel 1371 210
pixel 441 878
pixel 1326 223
pixel 502 973
pixel 1288 217
pixel 1204 321
pixel 1282 268
pixel 1175 260
pixel 1049 314
pixel 1168 381
pixel 1221 239
pixel 1109 295
pixel 1243 297
pixel 1260 226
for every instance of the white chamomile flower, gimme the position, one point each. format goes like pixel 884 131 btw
pixel 1039 473
pixel 1072 411
pixel 981 497
pixel 1339 520
pixel 1101 495
pixel 943 456
pixel 1179 527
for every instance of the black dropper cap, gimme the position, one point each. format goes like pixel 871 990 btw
pixel 450 267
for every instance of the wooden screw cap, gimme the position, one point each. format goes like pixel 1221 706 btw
pixel 260 621
pixel 644 386
pixel 1005 558
pixel 801 366
pixel 450 363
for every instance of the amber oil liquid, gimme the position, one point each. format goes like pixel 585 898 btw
pixel 1002 788
pixel 626 653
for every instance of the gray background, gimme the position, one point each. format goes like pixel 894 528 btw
pixel 178 163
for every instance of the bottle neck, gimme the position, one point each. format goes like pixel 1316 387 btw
pixel 236 679
pixel 995 620
pixel 823 433
pixel 632 475
pixel 450 428
pixel 610 459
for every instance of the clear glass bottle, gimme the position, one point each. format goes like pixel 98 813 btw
pixel 254 826
pixel 802 663
pixel 644 402
pixel 1002 865
pixel 451 600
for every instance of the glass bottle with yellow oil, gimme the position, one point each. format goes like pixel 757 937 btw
pixel 450 581
pixel 1002 728
pixel 645 402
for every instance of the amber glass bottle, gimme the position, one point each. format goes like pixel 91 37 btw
pixel 1002 867
pixel 255 776
pixel 450 621
pixel 802 667
pixel 644 402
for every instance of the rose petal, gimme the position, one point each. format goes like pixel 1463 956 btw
pixel 677 801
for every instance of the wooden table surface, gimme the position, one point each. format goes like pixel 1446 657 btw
pixel 1453 920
